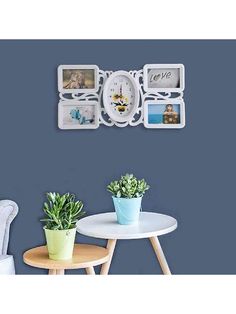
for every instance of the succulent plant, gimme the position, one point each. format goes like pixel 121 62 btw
pixel 62 211
pixel 128 187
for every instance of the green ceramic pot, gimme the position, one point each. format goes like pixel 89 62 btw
pixel 60 243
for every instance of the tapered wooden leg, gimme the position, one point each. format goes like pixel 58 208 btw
pixel 52 272
pixel 60 271
pixel 160 255
pixel 111 244
pixel 90 271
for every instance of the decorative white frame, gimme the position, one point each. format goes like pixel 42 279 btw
pixel 138 76
pixel 164 66
pixel 61 105
pixel 77 67
pixel 106 103
pixel 179 102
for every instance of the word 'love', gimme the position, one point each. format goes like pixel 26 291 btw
pixel 161 76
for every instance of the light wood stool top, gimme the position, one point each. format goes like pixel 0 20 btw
pixel 84 256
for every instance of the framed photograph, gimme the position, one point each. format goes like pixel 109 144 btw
pixel 164 114
pixel 78 115
pixel 78 78
pixel 163 78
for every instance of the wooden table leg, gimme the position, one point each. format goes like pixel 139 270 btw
pixel 111 244
pixel 90 271
pixel 60 271
pixel 52 272
pixel 160 255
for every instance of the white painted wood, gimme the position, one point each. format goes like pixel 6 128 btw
pixel 160 255
pixel 105 226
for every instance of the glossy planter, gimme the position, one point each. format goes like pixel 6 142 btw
pixel 127 209
pixel 60 243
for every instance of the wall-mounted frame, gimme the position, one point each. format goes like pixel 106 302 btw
pixel 164 114
pixel 78 115
pixel 78 78
pixel 121 96
pixel 163 78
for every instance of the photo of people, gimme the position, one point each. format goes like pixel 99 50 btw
pixel 163 113
pixel 78 79
pixel 170 116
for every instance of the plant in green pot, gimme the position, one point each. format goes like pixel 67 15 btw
pixel 62 212
pixel 127 193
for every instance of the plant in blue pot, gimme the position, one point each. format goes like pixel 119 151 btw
pixel 127 195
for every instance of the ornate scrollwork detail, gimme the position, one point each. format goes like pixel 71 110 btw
pixel 103 117
pixel 138 117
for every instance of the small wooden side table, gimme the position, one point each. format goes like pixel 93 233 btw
pixel 151 225
pixel 84 256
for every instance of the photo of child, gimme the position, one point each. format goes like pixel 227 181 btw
pixel 170 116
pixel 163 113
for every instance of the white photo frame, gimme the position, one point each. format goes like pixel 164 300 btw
pixel 78 78
pixel 155 114
pixel 163 78
pixel 81 115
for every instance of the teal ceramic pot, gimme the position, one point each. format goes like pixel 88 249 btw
pixel 127 209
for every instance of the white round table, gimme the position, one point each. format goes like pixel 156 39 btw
pixel 150 225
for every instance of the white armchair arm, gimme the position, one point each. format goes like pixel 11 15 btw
pixel 8 211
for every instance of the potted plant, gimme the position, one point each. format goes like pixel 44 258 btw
pixel 127 196
pixel 62 212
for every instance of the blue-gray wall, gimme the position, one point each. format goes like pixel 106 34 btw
pixel 191 171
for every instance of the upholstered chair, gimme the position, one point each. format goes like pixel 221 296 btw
pixel 8 211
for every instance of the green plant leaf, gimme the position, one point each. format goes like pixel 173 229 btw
pixel 128 186
pixel 62 211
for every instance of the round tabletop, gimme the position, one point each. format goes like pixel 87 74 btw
pixel 84 256
pixel 105 226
